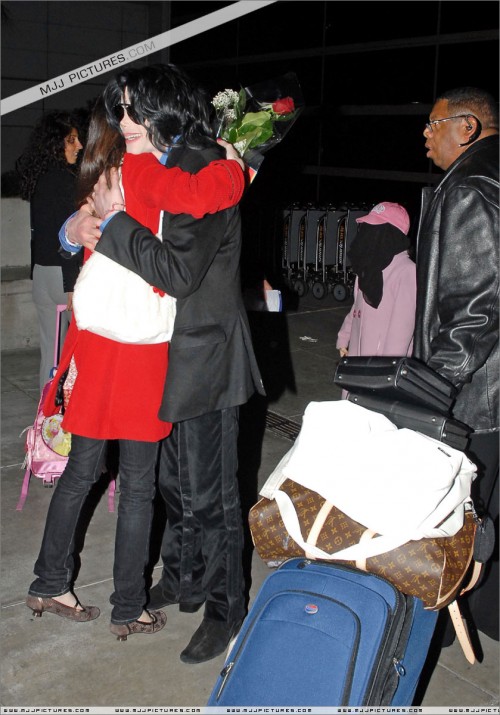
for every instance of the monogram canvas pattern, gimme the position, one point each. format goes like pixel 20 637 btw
pixel 430 569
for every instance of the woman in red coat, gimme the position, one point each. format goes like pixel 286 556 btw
pixel 117 395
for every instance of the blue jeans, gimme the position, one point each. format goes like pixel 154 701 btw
pixel 55 564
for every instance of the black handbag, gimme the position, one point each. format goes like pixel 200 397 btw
pixel 418 418
pixel 396 378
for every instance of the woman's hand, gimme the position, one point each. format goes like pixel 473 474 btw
pixel 344 352
pixel 69 302
pixel 231 153
pixel 106 199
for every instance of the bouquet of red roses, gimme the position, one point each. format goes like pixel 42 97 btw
pixel 258 117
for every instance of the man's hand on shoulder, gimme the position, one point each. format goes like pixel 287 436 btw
pixel 83 228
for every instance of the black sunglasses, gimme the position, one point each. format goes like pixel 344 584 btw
pixel 120 109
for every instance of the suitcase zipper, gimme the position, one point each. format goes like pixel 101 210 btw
pixel 392 653
pixel 399 667
pixel 224 675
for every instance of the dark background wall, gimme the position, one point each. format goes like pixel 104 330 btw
pixel 369 72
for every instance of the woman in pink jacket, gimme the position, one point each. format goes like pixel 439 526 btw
pixel 382 318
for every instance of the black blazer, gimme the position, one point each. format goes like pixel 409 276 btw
pixel 212 364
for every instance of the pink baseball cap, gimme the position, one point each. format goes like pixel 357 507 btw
pixel 388 212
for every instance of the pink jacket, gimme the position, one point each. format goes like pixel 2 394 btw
pixel 388 329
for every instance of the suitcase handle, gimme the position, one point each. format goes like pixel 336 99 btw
pixel 59 309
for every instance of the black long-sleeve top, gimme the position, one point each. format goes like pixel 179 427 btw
pixel 52 202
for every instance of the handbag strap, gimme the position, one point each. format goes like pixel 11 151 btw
pixel 462 631
pixel 24 488
pixel 459 623
pixel 476 572
pixel 57 347
pixel 318 524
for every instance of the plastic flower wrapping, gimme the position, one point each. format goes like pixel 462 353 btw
pixel 258 117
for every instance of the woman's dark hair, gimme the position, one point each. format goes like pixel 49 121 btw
pixel 104 149
pixel 45 148
pixel 165 101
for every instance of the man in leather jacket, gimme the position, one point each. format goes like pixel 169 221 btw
pixel 456 329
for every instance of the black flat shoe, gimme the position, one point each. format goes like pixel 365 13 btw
pixel 159 599
pixel 77 613
pixel 123 630
pixel 210 640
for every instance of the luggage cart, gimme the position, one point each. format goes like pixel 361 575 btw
pixel 300 284
pixel 313 241
pixel 292 218
pixel 343 279
pixel 315 245
pixel 326 250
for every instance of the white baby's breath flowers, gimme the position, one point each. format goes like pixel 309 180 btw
pixel 229 114
pixel 226 99
pixel 225 103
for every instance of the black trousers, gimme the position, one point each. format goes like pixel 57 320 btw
pixel 483 601
pixel 203 539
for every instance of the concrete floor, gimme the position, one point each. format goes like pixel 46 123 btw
pixel 53 662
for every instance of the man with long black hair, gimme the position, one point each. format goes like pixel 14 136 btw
pixel 212 367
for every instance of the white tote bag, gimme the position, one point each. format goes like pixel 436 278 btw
pixel 116 303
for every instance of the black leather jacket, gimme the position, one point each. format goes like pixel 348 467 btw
pixel 456 330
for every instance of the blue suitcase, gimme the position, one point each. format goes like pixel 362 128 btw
pixel 322 634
